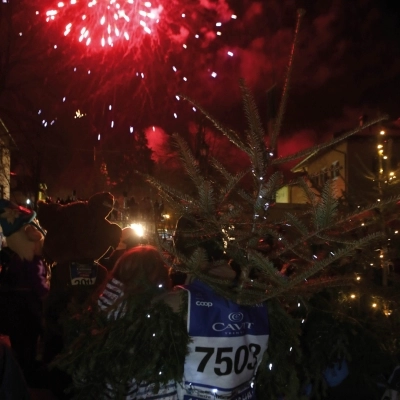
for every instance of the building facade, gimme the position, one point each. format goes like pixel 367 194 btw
pixel 358 168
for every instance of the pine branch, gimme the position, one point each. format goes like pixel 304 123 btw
pixel 255 134
pixel 320 264
pixel 285 94
pixel 206 198
pixel 299 225
pixel 266 267
pixel 189 161
pixel 232 135
pixel 327 208
pixel 171 195
pixel 267 191
pixel 232 180
pixel 367 171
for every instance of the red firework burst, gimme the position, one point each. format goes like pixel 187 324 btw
pixel 106 22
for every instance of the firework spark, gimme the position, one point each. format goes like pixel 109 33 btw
pixel 106 22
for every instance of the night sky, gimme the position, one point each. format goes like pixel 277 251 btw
pixel 346 64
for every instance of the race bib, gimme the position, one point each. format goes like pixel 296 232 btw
pixel 228 343
pixel 82 274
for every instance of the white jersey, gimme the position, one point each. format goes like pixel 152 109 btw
pixel 228 343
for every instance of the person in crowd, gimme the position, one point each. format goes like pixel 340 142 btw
pixel 78 234
pixel 23 284
pixel 137 270
pixel 228 340
pixel 129 322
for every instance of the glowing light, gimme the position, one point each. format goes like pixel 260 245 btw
pixel 175 115
pixel 353 296
pixel 177 97
pixel 374 305
pixel 214 74
pixel 98 136
pixel 382 132
pixel 79 114
pixel 233 16
pixel 131 129
pixel 387 312
pixel 230 54
pixel 138 228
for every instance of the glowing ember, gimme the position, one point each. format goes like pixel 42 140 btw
pixel 105 22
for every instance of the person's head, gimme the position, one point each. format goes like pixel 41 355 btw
pixel 140 268
pixel 190 233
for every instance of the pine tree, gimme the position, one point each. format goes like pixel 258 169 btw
pixel 305 266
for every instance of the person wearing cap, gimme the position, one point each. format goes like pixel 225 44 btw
pixel 23 283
